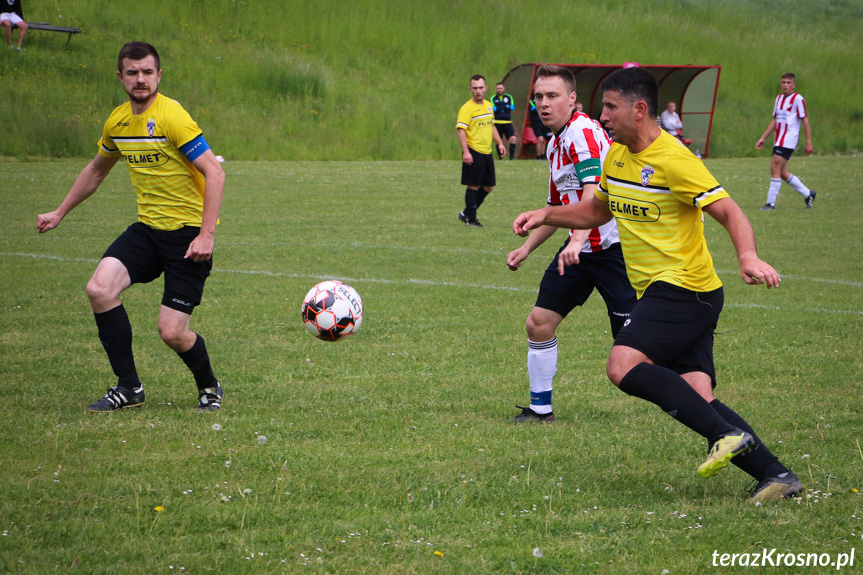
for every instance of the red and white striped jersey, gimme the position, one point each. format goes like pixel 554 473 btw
pixel 788 111
pixel 575 157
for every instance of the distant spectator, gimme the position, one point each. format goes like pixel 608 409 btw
pixel 539 130
pixel 503 105
pixel 579 107
pixel 670 122
pixel 11 18
pixel 789 112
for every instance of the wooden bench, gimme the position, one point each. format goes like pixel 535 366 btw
pixel 51 28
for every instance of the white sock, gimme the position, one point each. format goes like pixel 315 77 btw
pixel 541 369
pixel 773 190
pixel 798 186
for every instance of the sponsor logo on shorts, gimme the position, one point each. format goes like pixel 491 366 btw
pixel 181 302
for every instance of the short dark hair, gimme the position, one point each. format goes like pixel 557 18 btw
pixel 634 84
pixel 789 75
pixel 137 51
pixel 554 71
pixel 476 77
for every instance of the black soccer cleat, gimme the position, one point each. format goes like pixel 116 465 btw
pixel 118 398
pixel 783 486
pixel 463 218
pixel 527 414
pixel 810 199
pixel 210 398
pixel 767 207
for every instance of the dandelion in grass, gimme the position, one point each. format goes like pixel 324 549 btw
pixel 217 427
pixel 262 440
pixel 438 553
pixel 537 552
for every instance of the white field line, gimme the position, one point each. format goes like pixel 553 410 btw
pixel 491 287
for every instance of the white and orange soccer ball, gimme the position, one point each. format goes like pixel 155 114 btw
pixel 332 310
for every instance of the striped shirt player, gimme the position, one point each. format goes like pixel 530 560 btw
pixel 589 259
pixel 789 115
pixel 178 183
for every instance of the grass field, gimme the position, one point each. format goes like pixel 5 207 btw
pixel 383 80
pixel 391 452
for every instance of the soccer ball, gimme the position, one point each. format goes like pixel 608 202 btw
pixel 332 310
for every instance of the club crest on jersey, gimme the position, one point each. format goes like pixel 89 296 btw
pixel 151 129
pixel 647 175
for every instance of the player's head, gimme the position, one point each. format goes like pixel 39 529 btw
pixel 788 83
pixel 478 87
pixel 137 51
pixel 499 88
pixel 554 95
pixel 634 85
pixel 671 107
pixel 552 71
pixel 139 68
pixel 629 102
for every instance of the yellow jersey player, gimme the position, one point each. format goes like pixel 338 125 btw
pixel 657 190
pixel 475 129
pixel 178 182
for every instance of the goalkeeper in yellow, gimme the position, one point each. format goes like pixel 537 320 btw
pixel 657 191
pixel 178 182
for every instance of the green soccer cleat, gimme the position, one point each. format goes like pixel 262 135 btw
pixel 724 450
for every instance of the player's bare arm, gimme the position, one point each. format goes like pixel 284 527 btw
pixel 753 270
pixel 85 185
pixel 770 128
pixel 201 248
pixel 466 156
pixel 569 256
pixel 581 215
pixel 807 131
pixel 533 241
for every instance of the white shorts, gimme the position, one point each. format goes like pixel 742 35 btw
pixel 12 17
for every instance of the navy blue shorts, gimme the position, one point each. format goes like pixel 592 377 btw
pixel 784 152
pixel 605 271
pixel 480 173
pixel 147 253
pixel 674 327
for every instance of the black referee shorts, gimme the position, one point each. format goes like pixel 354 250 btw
pixel 674 327
pixel 480 172
pixel 147 253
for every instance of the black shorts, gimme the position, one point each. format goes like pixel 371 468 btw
pixel 480 172
pixel 674 327
pixel 539 129
pixel 604 271
pixel 784 152
pixel 506 131
pixel 147 252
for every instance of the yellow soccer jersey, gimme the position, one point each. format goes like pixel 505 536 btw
pixel 169 188
pixel 477 120
pixel 656 197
